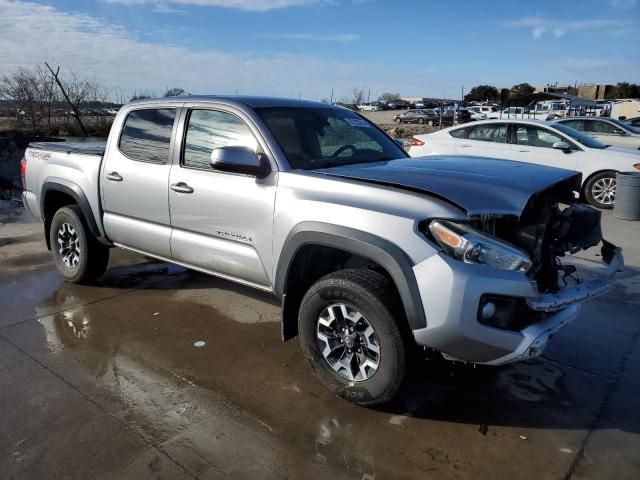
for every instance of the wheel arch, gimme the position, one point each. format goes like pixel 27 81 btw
pixel 58 193
pixel 364 245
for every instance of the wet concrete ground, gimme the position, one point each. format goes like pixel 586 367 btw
pixel 107 382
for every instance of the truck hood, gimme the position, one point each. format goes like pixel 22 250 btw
pixel 479 186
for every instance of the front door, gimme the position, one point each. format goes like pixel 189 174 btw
pixel 134 181
pixel 534 144
pixel 222 222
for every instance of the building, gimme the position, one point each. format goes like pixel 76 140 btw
pixel 594 92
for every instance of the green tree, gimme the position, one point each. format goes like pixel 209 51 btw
pixel 521 89
pixel 481 93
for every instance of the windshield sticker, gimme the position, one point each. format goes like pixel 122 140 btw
pixel 358 122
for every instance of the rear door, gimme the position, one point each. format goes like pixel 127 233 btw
pixel 484 140
pixel 222 222
pixel 134 181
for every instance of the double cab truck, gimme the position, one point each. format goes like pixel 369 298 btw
pixel 372 253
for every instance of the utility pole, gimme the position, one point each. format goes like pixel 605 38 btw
pixel 331 95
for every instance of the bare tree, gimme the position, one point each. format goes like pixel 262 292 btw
pixel 26 88
pixel 77 93
pixel 358 95
pixel 175 92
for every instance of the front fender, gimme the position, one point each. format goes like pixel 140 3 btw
pixel 388 255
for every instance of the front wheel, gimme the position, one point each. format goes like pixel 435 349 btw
pixel 397 120
pixel 351 337
pixel 600 190
pixel 77 254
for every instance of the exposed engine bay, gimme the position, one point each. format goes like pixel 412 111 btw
pixel 548 232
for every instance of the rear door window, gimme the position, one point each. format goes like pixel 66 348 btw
pixel 577 124
pixel 494 132
pixel 146 135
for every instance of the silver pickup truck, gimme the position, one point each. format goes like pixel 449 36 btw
pixel 371 252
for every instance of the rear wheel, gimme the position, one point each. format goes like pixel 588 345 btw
pixel 421 121
pixel 600 190
pixel 351 337
pixel 78 255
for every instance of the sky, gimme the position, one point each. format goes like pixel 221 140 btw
pixel 307 48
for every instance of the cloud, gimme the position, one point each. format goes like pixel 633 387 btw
pixel 624 4
pixel 32 33
pixel 319 37
pixel 164 8
pixel 247 5
pixel 558 28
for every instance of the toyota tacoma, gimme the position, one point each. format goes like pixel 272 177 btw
pixel 372 253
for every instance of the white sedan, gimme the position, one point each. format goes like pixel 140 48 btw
pixel 535 141
pixel 608 130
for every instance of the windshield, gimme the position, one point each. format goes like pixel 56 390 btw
pixel 580 137
pixel 313 138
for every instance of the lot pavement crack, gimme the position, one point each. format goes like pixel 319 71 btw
pixel 582 370
pixel 93 401
pixel 74 307
pixel 603 406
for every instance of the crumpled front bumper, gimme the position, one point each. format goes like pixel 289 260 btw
pixel 452 290
pixel 589 289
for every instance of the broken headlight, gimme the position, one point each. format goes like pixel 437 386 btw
pixel 470 246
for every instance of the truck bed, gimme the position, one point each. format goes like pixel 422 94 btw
pixel 85 148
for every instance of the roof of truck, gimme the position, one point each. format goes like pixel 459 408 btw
pixel 251 101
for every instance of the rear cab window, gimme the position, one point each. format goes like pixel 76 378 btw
pixel 146 135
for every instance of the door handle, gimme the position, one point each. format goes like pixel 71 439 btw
pixel 114 177
pixel 523 150
pixel 181 187
pixel 465 146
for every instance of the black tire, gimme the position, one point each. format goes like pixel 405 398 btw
pixel 370 293
pixel 593 189
pixel 397 120
pixel 421 121
pixel 92 256
pixel 430 123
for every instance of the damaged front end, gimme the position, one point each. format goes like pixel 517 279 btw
pixel 534 288
pixel 549 234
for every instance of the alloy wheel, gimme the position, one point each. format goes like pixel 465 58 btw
pixel 348 342
pixel 68 245
pixel 604 190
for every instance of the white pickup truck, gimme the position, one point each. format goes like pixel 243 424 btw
pixel 371 252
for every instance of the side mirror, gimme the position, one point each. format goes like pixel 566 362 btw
pixel 400 142
pixel 622 133
pixel 564 146
pixel 242 160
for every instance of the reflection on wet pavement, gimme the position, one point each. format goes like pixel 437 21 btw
pixel 246 405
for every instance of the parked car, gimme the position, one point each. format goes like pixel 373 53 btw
pixel 634 121
pixel 534 141
pixel 487 110
pixel 398 105
pixel 371 253
pixel 428 117
pixel 369 107
pixel 607 130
